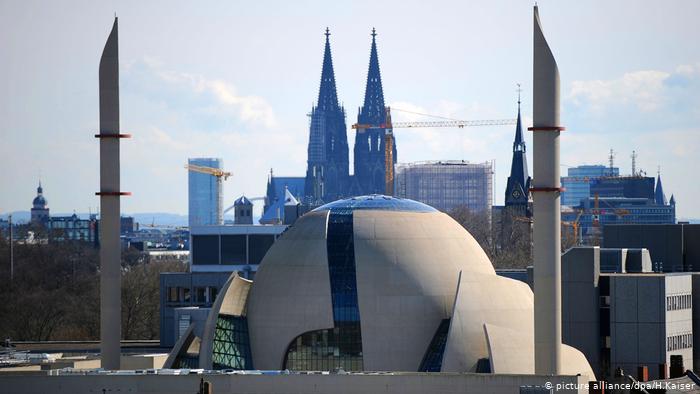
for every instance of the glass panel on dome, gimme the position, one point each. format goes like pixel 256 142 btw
pixel 231 348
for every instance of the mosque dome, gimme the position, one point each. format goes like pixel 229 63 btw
pixel 376 283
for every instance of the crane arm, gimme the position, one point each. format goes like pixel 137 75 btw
pixel 438 123
pixel 219 173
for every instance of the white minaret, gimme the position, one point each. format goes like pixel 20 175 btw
pixel 110 250
pixel 546 206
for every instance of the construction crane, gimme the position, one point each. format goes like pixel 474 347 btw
pixel 388 126
pixel 217 172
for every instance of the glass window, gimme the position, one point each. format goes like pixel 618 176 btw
pixel 231 348
pixel 233 249
pixel 432 361
pixel 259 244
pixel 340 346
pixel 205 249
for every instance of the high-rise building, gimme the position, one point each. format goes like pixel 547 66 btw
pixel 40 208
pixel 369 177
pixel 446 185
pixel 577 183
pixel 205 194
pixel 327 173
pixel 518 186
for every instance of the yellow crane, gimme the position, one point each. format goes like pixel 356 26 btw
pixel 217 172
pixel 388 126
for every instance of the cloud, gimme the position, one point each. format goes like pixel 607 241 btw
pixel 213 96
pixel 645 91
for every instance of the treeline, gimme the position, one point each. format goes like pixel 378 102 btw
pixel 54 292
pixel 506 239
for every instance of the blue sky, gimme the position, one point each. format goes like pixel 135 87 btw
pixel 235 79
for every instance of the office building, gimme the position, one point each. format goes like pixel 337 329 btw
pixel 205 194
pixel 577 183
pixel 446 185
pixel 627 317
pixel 215 252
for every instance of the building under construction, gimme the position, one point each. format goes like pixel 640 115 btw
pixel 446 185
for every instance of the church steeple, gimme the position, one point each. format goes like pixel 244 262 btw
pixel 517 189
pixel 659 196
pixel 327 93
pixel 369 143
pixel 327 174
pixel 373 108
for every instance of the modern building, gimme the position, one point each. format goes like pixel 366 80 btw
pixel 577 183
pixel 673 247
pixel 446 185
pixel 40 208
pixel 327 173
pixel 369 150
pixel 216 252
pixel 347 287
pixel 627 317
pixel 205 194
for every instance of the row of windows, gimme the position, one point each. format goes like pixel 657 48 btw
pixel 202 295
pixel 681 341
pixel 679 301
pixel 230 249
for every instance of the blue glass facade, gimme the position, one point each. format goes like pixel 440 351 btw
pixel 205 194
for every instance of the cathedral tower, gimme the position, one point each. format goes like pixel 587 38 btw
pixel 327 173
pixel 369 142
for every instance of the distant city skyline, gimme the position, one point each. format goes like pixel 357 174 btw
pixel 236 80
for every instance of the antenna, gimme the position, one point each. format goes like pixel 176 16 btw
pixel 611 160
pixel 634 163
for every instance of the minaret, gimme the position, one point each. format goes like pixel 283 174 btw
pixel 659 196
pixel 327 173
pixel 546 206
pixel 369 143
pixel 110 248
pixel 518 186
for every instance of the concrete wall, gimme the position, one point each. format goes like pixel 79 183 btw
pixel 580 308
pixel 640 323
pixel 664 241
pixel 406 383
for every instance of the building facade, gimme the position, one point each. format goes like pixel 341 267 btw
pixel 215 252
pixel 72 228
pixel 577 183
pixel 628 316
pixel 446 185
pixel 205 194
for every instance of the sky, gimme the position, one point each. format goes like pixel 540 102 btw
pixel 236 80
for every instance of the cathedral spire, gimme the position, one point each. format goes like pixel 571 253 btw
pixel 373 108
pixel 659 195
pixel 327 93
